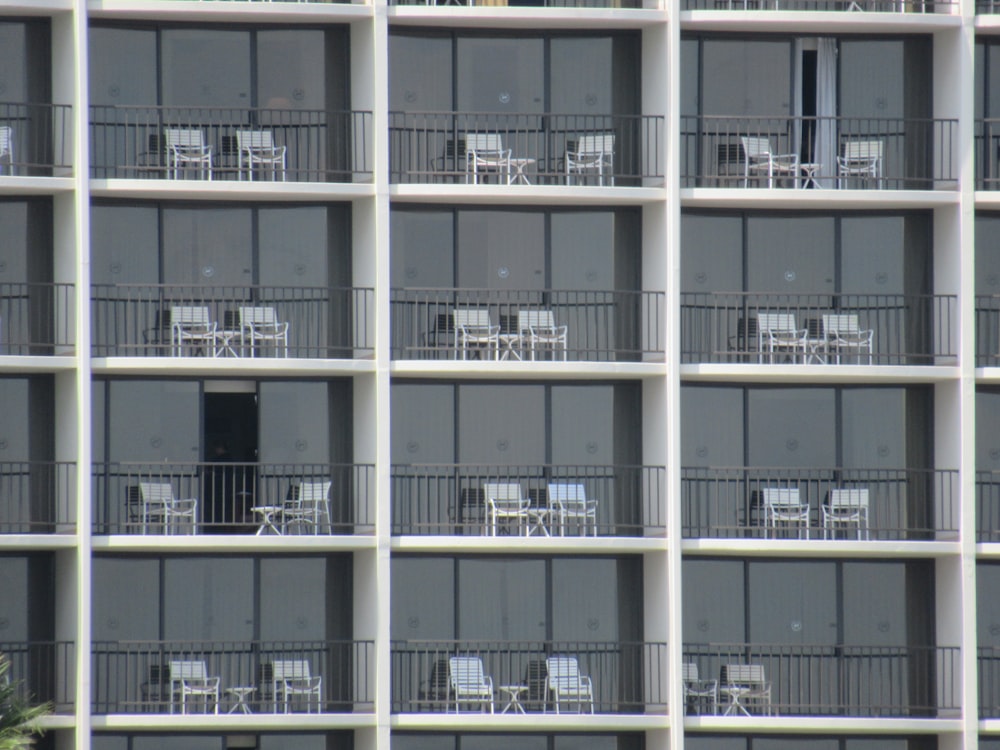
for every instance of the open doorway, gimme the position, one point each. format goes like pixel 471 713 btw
pixel 230 440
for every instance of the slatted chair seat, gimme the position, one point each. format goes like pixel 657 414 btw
pixel 293 682
pixel 6 150
pixel 783 509
pixel 745 687
pixel 475 332
pixel 192 326
pixel 190 684
pixel 469 683
pixel 698 691
pixel 569 503
pixel 257 149
pixel 485 154
pixel 186 150
pixel 760 159
pixel 505 502
pixel 777 333
pixel 567 685
pixel 538 328
pixel 160 509
pixel 591 155
pixel 260 325
pixel 860 159
pixel 842 333
pixel 845 508
pixel 307 509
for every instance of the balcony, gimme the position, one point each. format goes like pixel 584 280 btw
pixel 869 6
pixel 840 680
pixel 430 147
pixel 988 506
pixel 135 676
pixel 819 153
pixel 906 329
pixel 988 330
pixel 899 504
pixel 520 3
pixel 988 663
pixel 451 500
pixel 233 498
pixel 46 671
pixel 36 140
pixel 143 142
pixel 38 497
pixel 600 326
pixel 626 678
pixel 36 318
pixel 134 320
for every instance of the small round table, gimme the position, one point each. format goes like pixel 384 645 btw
pixel 241 692
pixel 518 176
pixel 809 172
pixel 513 696
pixel 268 513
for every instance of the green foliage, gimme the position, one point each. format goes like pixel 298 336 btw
pixel 19 721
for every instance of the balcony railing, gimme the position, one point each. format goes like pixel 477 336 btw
pixel 233 498
pixel 451 500
pixel 901 504
pixel 521 3
pixel 40 140
pixel 134 320
pixel 36 318
pixel 988 663
pixel 905 154
pixel 45 672
pixel 988 330
pixel 906 329
pixel 600 326
pixel 319 145
pixel 626 678
pixel 135 676
pixel 431 147
pixel 988 506
pixel 841 680
pixel 868 6
pixel 38 497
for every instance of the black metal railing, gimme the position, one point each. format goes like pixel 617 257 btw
pixel 451 499
pixel 44 672
pixel 36 140
pixel 321 322
pixel 318 145
pixel 837 679
pixel 905 329
pixel 233 498
pixel 988 506
pixel 36 318
pixel 431 147
pixel 987 141
pixel 614 325
pixel 136 676
pixel 988 669
pixel 900 504
pixel 859 6
pixel 625 678
pixel 902 154
pixel 38 497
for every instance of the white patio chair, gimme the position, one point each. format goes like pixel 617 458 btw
pixel 257 149
pixel 591 155
pixel 842 333
pixel 475 332
pixel 505 502
pixel 260 325
pixel 192 326
pixel 160 509
pixel 189 682
pixel 744 687
pixel 860 160
pixel 569 503
pixel 845 508
pixel 538 328
pixel 469 683
pixel 6 149
pixel 485 154
pixel 698 691
pixel 186 149
pixel 566 685
pixel 760 159
pixel 292 683
pixel 784 509
pixel 777 333
pixel 307 509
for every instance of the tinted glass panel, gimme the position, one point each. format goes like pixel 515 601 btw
pixel 206 68
pixel 420 611
pixel 154 421
pixel 208 599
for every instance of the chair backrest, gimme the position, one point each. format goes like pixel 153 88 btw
pixel 527 319
pixel 156 492
pixel 743 674
pixel 466 674
pixel 841 323
pixel 189 316
pixel 689 672
pixel 6 136
pixel 484 142
pixel 596 145
pixel 850 499
pixel 314 492
pixel 188 670
pixel 184 138
pixel 770 322
pixel 471 318
pixel 258 316
pixel 756 147
pixel 567 496
pixel 862 150
pixel 505 495
pixel 291 669
pixel 782 497
pixel 262 140
pixel 564 671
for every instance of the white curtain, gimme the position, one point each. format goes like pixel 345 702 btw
pixel 795 146
pixel 825 145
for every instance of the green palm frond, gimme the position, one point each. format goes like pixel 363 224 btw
pixel 19 721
